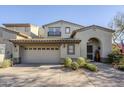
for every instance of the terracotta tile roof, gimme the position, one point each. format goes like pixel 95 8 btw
pixel 17 24
pixel 44 41
pixel 91 27
pixel 62 21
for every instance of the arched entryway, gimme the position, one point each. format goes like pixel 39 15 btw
pixel 93 49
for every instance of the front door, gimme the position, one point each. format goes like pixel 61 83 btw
pixel 90 52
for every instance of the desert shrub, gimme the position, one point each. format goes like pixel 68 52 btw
pixel 121 61
pixel 87 60
pixel 81 61
pixel 67 62
pixel 6 63
pixel 121 67
pixel 116 49
pixel 74 65
pixel 115 57
pixel 91 67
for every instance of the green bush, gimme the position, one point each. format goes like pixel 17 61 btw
pixel 81 61
pixel 87 60
pixel 67 62
pixel 115 57
pixel 6 63
pixel 74 65
pixel 121 67
pixel 121 61
pixel 91 67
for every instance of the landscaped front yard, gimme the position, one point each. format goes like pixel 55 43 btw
pixel 107 76
pixel 57 76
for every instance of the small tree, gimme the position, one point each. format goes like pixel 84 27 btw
pixel 118 25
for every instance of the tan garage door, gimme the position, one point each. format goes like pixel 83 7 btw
pixel 43 54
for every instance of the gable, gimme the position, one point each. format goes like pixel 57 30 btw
pixel 63 22
pixel 93 27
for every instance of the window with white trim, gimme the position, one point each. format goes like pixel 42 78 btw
pixel 54 31
pixel 67 30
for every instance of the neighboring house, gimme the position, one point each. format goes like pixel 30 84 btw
pixel 6 35
pixel 28 29
pixel 62 39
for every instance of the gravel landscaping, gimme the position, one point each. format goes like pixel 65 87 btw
pixel 25 75
pixel 42 76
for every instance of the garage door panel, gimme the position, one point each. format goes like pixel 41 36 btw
pixel 41 56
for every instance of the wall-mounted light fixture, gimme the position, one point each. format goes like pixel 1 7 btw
pixel 63 45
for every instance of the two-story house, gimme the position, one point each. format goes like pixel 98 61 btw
pixel 61 39
pixel 16 31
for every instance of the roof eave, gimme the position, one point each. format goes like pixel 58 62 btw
pixel 88 27
pixel 44 41
pixel 61 21
pixel 15 32
pixel 17 24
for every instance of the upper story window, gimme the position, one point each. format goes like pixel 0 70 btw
pixel 54 31
pixel 67 30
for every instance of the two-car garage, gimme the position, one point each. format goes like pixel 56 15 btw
pixel 44 51
pixel 40 54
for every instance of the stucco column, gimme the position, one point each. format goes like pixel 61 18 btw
pixel 16 56
pixel 83 47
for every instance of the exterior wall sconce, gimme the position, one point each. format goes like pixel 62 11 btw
pixel 64 45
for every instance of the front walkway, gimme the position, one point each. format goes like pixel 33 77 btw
pixel 106 77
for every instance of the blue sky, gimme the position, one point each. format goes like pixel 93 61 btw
pixel 39 15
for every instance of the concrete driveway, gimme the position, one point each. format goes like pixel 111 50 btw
pixel 35 75
pixel 25 75
pixel 106 76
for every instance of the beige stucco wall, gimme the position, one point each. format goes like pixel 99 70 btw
pixel 41 32
pixel 62 25
pixel 31 31
pixel 24 30
pixel 64 54
pixel 104 37
pixel 1 58
pixel 2 52
pixel 20 37
pixel 34 31
pixel 16 51
pixel 4 39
